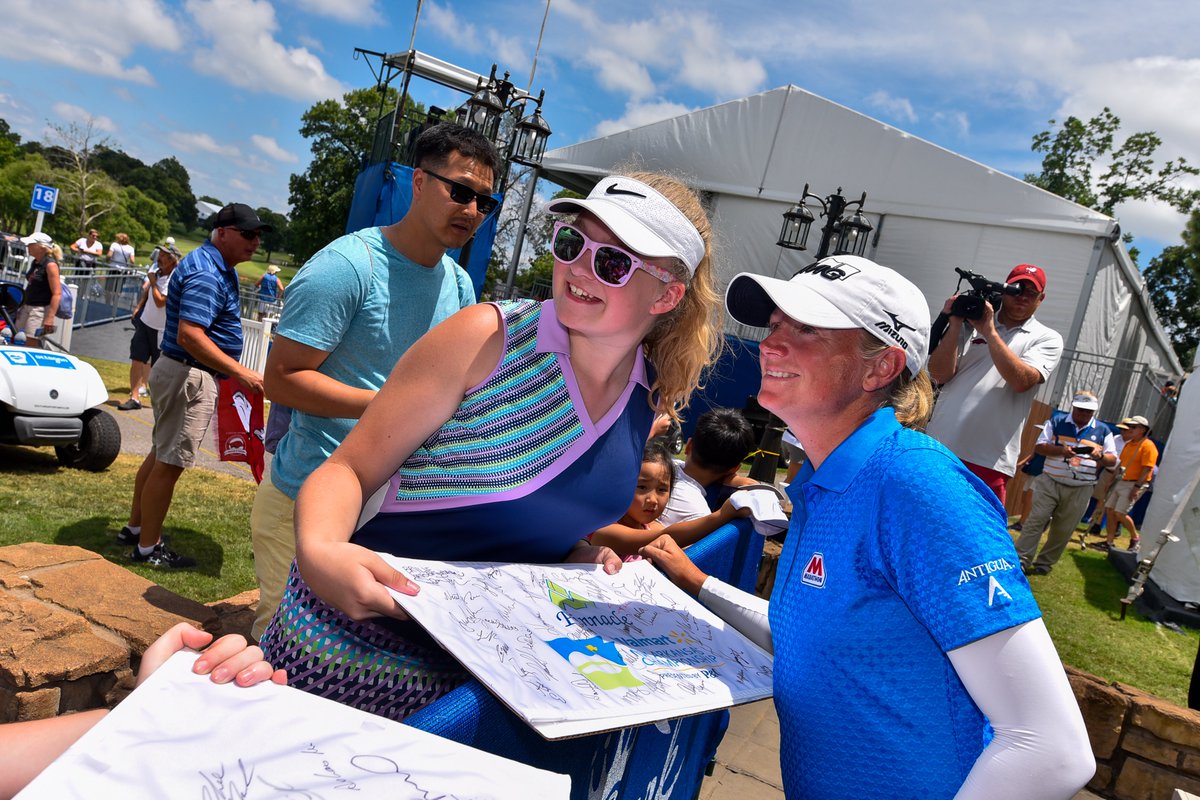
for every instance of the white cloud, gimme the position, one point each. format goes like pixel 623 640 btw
pixel 898 108
pixel 273 150
pixel 445 22
pixel 619 74
pixel 709 64
pixel 141 24
pixel 639 114
pixel 644 57
pixel 244 52
pixel 958 122
pixel 240 185
pixel 354 12
pixel 200 142
pixel 73 113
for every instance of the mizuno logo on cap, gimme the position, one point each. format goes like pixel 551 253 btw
pixel 830 270
pixel 613 189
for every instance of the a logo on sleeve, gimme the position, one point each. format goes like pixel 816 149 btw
pixel 997 595
pixel 996 592
pixel 814 571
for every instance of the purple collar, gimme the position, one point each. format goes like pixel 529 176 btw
pixel 552 337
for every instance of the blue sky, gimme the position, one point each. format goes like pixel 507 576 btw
pixel 221 84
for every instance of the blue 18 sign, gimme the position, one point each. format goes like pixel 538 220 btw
pixel 45 198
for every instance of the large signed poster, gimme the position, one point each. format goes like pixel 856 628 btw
pixel 180 735
pixel 573 651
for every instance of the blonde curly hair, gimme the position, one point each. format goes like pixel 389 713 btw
pixel 686 340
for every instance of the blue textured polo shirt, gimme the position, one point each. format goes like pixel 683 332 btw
pixel 204 291
pixel 896 554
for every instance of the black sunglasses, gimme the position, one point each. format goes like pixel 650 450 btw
pixel 249 236
pixel 463 194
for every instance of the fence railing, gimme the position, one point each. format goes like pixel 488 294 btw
pixel 1125 388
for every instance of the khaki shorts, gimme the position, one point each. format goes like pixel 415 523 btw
pixel 1123 498
pixel 30 319
pixel 184 401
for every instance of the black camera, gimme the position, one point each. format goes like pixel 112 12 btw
pixel 1081 449
pixel 969 304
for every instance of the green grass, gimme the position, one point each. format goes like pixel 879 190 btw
pixel 209 518
pixel 1080 603
pixel 249 271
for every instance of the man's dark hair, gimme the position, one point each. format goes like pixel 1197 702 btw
pixel 722 439
pixel 434 146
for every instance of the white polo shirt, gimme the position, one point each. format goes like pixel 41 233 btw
pixel 977 416
pixel 687 499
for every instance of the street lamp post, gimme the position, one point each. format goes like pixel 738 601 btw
pixel 847 235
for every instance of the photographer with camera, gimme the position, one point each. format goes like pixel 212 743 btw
pixel 1077 447
pixel 987 361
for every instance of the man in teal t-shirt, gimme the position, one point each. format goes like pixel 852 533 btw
pixel 352 311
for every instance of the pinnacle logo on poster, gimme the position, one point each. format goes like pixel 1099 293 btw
pixel 814 571
pixel 597 660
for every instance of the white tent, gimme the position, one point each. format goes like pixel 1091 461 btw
pixel 932 209
pixel 1177 570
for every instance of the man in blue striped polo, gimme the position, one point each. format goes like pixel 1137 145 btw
pixel 1077 446
pixel 202 340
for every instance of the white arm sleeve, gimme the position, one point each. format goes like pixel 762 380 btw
pixel 747 613
pixel 1040 750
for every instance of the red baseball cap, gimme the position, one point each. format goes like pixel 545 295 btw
pixel 1028 272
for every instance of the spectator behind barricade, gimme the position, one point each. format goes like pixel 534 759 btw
pixel 43 290
pixel 149 319
pixel 201 341
pixel 988 368
pixel 353 309
pixel 120 252
pixel 708 474
pixel 507 433
pixel 87 249
pixel 1138 459
pixel 1078 447
pixel 27 748
pixel 270 291
pixel 641 525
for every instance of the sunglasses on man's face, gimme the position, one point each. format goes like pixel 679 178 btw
pixel 463 194
pixel 249 236
pixel 612 265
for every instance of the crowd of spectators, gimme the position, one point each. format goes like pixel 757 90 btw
pixel 392 391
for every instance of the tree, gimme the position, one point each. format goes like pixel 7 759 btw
pixel 10 144
pixel 86 192
pixel 1173 280
pixel 277 237
pixel 17 178
pixel 341 133
pixel 141 216
pixel 535 250
pixel 1077 148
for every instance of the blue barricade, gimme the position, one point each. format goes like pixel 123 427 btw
pixel 661 761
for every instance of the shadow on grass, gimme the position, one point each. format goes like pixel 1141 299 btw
pixel 1103 586
pixel 30 460
pixel 98 534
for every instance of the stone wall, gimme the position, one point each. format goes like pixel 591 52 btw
pixel 73 628
pixel 1145 747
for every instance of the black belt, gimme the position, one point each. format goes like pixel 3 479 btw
pixel 187 362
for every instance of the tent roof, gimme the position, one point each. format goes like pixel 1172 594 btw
pixel 769 145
